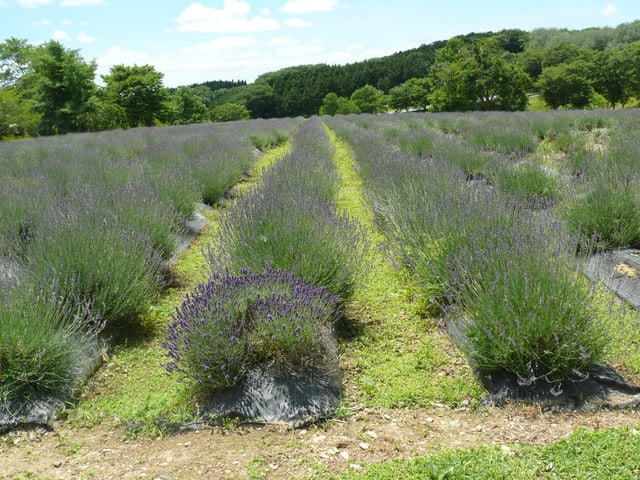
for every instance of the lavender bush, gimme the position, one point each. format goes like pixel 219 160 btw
pixel 290 222
pixel 84 255
pixel 44 342
pixel 516 311
pixel 233 322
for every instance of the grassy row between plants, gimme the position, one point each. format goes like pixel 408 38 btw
pixel 283 264
pixel 394 357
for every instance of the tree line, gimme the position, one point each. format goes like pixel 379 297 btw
pixel 48 89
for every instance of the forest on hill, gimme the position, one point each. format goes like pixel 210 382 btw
pixel 48 89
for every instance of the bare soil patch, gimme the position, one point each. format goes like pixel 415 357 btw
pixel 278 452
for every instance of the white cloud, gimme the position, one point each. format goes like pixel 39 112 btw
pixel 84 37
pixel 297 23
pixel 609 10
pixel 60 35
pixel 121 56
pixel 42 22
pixel 295 7
pixel 81 3
pixel 67 22
pixel 33 3
pixel 233 17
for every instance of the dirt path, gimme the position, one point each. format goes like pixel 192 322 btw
pixel 274 452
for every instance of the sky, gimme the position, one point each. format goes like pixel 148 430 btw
pixel 196 41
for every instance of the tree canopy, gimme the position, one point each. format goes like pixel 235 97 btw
pixel 139 91
pixel 49 89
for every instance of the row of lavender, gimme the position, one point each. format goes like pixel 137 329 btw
pixel 284 264
pixel 580 163
pixel 87 225
pixel 486 247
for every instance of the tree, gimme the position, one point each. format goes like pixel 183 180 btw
pixel 369 99
pixel 400 98
pixel 612 75
pixel 563 52
pixel 102 115
pixel 188 106
pixel 412 94
pixel 17 118
pixel 261 100
pixel 477 76
pixel 332 104
pixel 139 91
pixel 531 61
pixel 566 85
pixel 230 112
pixel 60 83
pixel 15 60
pixel 633 52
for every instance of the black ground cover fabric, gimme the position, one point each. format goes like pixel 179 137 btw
pixel 601 388
pixel 619 271
pixel 266 395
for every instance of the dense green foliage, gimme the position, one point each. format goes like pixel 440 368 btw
pixel 479 71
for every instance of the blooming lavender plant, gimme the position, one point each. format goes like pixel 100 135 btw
pixel 516 311
pixel 290 222
pixel 45 342
pixel 233 322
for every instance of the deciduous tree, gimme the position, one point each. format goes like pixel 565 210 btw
pixel 612 75
pixel 477 76
pixel 566 85
pixel 60 83
pixel 17 118
pixel 139 91
pixel 230 112
pixel 369 99
pixel 332 104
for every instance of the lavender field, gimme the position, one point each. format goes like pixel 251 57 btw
pixel 475 228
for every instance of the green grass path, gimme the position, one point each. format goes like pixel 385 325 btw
pixel 399 358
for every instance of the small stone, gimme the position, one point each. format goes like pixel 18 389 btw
pixel 364 445
pixel 355 466
pixel 318 438
pixel 57 464
pixel 506 450
pixel 371 433
pixel 345 455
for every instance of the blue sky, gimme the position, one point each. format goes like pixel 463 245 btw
pixel 196 41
